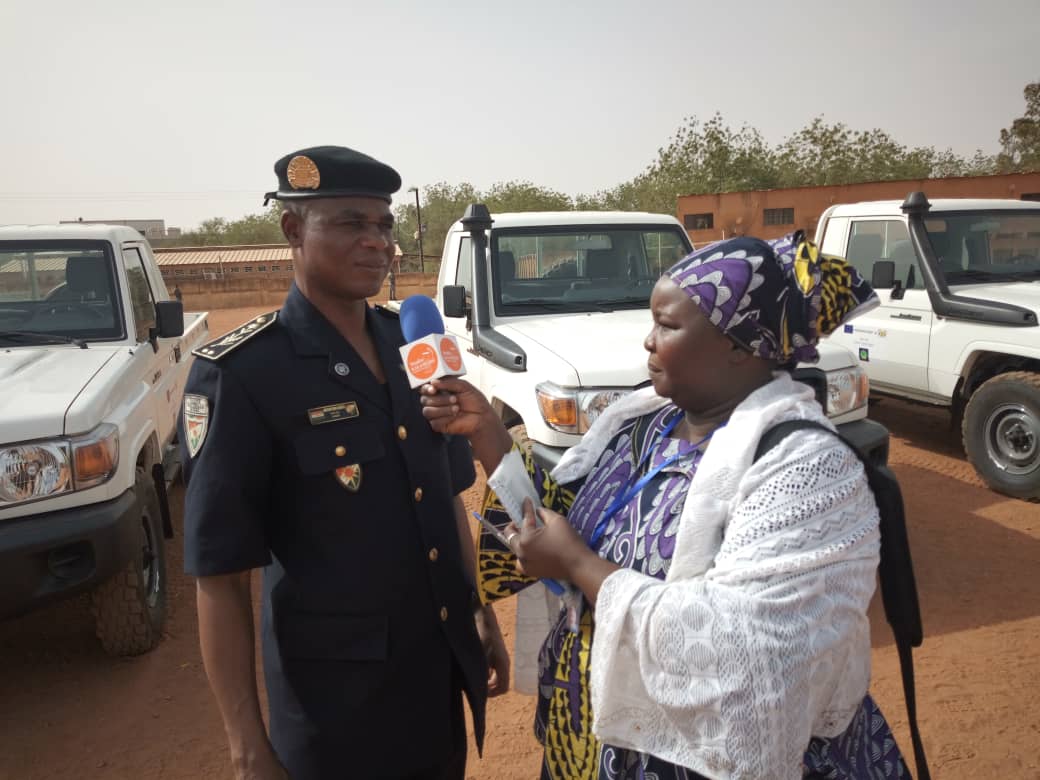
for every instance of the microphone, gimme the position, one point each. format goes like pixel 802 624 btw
pixel 430 352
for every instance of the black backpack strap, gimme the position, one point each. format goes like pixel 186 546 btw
pixel 895 570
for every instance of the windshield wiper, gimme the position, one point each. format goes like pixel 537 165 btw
pixel 972 275
pixel 628 300
pixel 41 338
pixel 546 304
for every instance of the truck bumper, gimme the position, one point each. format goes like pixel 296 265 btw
pixel 49 556
pixel 869 437
pixel 545 456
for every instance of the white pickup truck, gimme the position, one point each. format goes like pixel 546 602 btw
pixel 959 282
pixel 93 359
pixel 552 309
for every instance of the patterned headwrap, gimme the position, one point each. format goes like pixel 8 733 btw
pixel 776 298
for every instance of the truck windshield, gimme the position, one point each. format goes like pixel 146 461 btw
pixel 64 289
pixel 980 247
pixel 584 269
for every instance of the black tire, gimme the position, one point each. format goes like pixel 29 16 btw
pixel 130 609
pixel 1001 433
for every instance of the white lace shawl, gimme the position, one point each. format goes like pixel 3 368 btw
pixel 758 639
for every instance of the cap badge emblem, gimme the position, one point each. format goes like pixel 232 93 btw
pixel 303 173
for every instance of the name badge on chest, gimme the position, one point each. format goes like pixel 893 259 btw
pixel 333 412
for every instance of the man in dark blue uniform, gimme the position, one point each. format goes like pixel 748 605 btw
pixel 306 454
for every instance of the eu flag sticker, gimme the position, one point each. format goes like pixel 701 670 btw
pixel 864 354
pixel 850 328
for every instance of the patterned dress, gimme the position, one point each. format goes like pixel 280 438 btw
pixel 640 536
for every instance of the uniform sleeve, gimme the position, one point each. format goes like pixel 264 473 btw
pixel 226 472
pixel 460 462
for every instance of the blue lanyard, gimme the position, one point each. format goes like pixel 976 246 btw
pixel 632 490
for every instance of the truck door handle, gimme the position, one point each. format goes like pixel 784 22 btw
pixel 914 317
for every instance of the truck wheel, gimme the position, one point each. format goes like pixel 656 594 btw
pixel 1001 433
pixel 130 608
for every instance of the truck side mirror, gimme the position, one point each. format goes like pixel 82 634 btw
pixel 883 275
pixel 169 319
pixel 454 298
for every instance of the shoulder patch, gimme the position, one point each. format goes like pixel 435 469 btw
pixel 221 346
pixel 391 314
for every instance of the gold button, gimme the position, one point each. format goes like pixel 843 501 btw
pixel 444 613
pixel 402 432
pixel 418 494
pixel 341 451
pixel 434 555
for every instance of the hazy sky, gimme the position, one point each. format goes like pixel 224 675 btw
pixel 135 109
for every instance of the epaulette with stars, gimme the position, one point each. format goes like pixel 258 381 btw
pixel 219 347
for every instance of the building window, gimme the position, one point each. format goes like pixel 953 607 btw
pixel 261 268
pixel 699 221
pixel 178 272
pixel 288 267
pixel 778 216
pixel 248 269
pixel 276 268
pixel 234 269
pixel 1033 196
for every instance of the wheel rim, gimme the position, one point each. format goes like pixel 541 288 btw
pixel 150 574
pixel 1013 439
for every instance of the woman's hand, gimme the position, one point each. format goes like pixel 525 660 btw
pixel 555 551
pixel 552 550
pixel 454 406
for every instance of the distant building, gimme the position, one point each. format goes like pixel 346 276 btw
pixel 220 262
pixel 149 228
pixel 774 213
pixel 229 262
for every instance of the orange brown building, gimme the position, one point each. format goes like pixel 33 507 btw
pixel 774 213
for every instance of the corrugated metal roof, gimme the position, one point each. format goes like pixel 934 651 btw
pixel 225 255
pixel 229 255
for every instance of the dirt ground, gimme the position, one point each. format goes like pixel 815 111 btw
pixel 68 711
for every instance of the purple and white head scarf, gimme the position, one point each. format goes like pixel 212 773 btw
pixel 775 298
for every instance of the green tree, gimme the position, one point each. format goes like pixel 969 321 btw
pixel 821 154
pixel 1020 143
pixel 263 228
pixel 442 203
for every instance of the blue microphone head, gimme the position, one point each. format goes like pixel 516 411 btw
pixel 419 317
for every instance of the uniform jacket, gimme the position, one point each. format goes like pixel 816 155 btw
pixel 340 489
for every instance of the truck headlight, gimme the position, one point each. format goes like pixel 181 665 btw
pixel 573 410
pixel 847 389
pixel 31 471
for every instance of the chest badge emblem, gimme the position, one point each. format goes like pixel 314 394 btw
pixel 350 477
pixel 196 422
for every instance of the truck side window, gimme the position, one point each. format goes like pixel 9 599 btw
pixel 464 267
pixel 142 304
pixel 883 239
